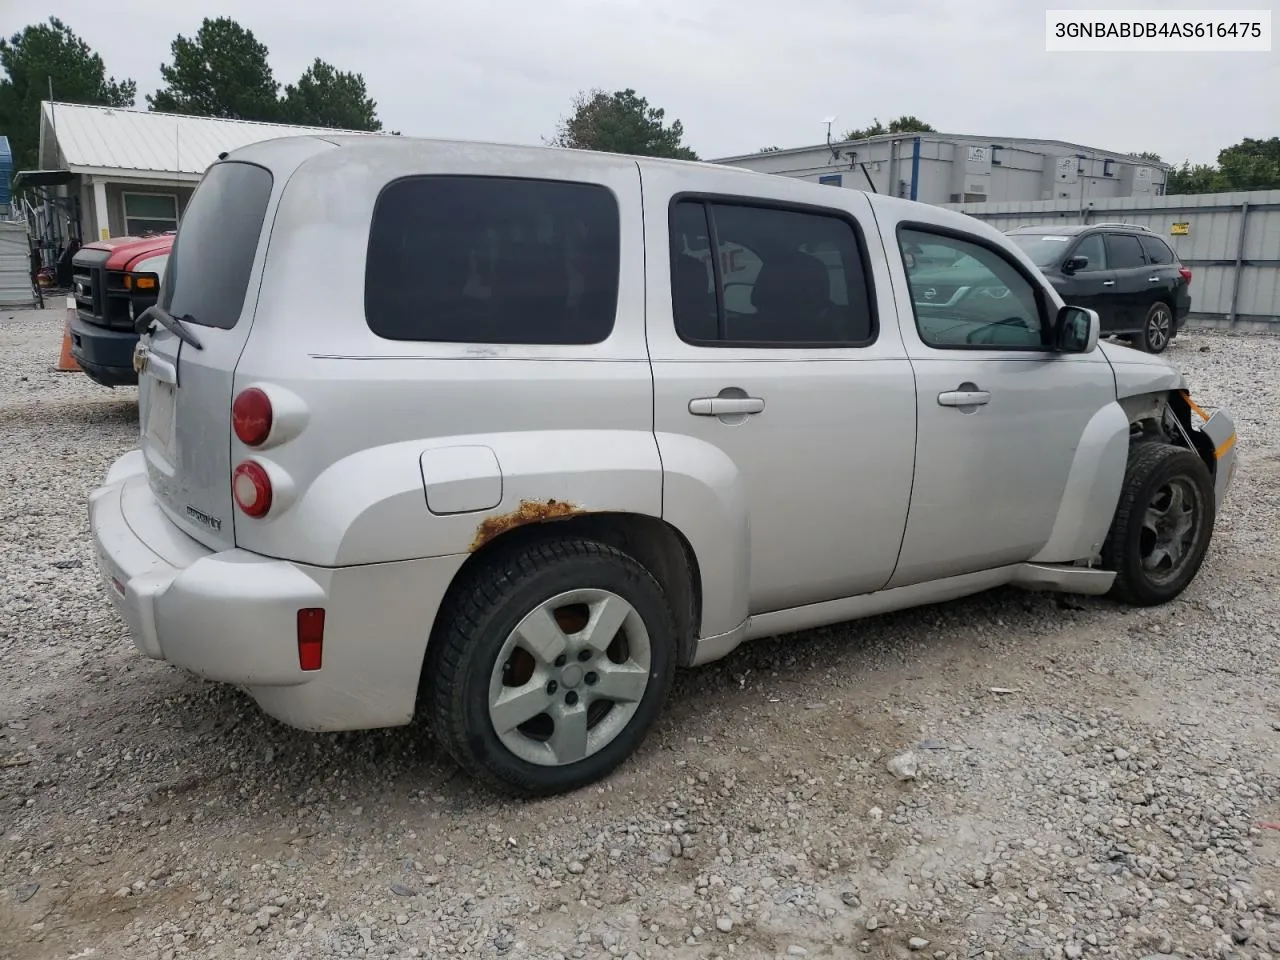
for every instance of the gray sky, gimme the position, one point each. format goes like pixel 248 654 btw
pixel 740 75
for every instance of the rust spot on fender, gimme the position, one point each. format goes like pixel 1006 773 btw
pixel 529 511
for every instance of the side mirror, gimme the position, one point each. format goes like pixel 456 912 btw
pixel 1076 330
pixel 1072 264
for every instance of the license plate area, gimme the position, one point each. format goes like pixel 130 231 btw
pixel 159 431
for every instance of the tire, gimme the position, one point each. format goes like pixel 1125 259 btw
pixel 1157 328
pixel 521 622
pixel 1153 562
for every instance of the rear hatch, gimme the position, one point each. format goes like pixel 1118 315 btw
pixel 184 390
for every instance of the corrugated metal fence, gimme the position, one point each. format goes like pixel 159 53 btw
pixel 1231 242
pixel 15 265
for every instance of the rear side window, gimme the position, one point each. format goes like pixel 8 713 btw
pixel 1123 252
pixel 1157 250
pixel 208 271
pixel 493 260
pixel 779 278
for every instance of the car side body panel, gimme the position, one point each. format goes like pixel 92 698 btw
pixel 371 507
pixel 1038 400
pixel 704 497
pixel 1139 373
pixel 826 460
pixel 1092 490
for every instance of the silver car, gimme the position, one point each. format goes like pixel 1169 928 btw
pixel 507 435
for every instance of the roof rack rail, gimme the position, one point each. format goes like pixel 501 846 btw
pixel 1120 223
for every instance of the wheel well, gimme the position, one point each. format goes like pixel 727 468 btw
pixel 1201 444
pixel 652 542
pixel 1149 419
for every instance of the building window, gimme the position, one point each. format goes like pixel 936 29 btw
pixel 149 213
pixel 833 180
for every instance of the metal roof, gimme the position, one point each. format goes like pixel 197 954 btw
pixel 90 138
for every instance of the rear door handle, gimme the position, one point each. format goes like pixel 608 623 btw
pixel 1108 283
pixel 725 406
pixel 1153 279
pixel 964 398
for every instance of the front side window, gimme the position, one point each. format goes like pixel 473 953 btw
pixel 146 213
pixel 1124 252
pixel 460 259
pixel 779 277
pixel 979 300
pixel 1093 248
pixel 1044 249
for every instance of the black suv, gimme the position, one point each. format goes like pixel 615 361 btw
pixel 1131 277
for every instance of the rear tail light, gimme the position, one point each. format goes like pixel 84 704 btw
pixel 251 488
pixel 310 638
pixel 251 417
pixel 1186 274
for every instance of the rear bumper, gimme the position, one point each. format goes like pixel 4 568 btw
pixel 231 615
pixel 105 355
pixel 1182 306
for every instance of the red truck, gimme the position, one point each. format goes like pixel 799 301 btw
pixel 114 281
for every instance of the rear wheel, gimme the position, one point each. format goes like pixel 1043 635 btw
pixel 550 666
pixel 1157 329
pixel 1162 526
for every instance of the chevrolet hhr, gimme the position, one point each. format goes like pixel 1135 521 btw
pixel 503 436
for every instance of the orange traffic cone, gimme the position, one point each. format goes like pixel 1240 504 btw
pixel 66 362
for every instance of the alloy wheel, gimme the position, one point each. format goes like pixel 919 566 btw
pixel 570 677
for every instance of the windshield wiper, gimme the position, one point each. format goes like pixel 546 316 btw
pixel 157 314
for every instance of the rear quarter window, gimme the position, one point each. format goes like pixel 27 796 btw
pixel 459 259
pixel 208 271
pixel 1157 250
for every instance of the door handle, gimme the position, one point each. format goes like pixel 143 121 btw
pixel 725 406
pixel 1108 283
pixel 964 398
pixel 1153 279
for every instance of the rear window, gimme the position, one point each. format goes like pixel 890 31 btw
pixel 208 272
pixel 493 260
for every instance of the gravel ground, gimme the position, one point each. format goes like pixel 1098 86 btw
pixel 1091 781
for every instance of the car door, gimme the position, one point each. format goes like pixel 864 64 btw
pixel 1091 286
pixel 1000 415
pixel 776 360
pixel 1164 278
pixel 1131 290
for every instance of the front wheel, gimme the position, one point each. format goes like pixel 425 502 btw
pixel 1157 329
pixel 1162 526
pixel 550 665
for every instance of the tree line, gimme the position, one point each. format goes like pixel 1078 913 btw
pixel 221 70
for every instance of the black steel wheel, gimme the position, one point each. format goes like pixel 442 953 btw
pixel 1162 526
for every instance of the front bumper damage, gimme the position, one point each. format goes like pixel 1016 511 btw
pixel 1219 429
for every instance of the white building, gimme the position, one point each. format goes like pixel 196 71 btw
pixel 124 172
pixel 958 168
